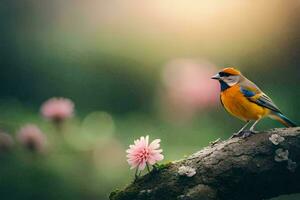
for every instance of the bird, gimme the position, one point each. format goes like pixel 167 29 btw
pixel 246 101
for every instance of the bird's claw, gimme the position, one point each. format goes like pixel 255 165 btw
pixel 247 133
pixel 243 134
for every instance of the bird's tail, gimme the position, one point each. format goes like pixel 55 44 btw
pixel 283 119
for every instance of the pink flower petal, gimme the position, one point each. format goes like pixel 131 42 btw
pixel 141 153
pixel 155 144
pixel 57 109
pixel 142 165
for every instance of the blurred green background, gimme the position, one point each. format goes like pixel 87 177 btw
pixel 132 68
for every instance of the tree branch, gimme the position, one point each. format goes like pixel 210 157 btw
pixel 261 166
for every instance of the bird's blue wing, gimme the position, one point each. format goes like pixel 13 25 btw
pixel 247 92
pixel 258 97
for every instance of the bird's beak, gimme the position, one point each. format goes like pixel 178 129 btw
pixel 217 77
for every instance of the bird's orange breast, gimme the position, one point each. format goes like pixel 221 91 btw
pixel 238 105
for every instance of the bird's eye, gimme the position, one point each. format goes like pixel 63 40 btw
pixel 224 74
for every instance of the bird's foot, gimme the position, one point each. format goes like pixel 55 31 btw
pixel 243 134
pixel 247 133
pixel 238 134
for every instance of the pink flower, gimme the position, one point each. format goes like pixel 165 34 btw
pixel 142 153
pixel 187 88
pixel 57 109
pixel 31 137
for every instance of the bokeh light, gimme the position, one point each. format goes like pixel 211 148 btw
pixel 187 87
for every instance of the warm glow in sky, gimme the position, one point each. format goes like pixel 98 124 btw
pixel 170 28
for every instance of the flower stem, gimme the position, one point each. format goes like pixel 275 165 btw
pixel 148 167
pixel 58 126
pixel 136 174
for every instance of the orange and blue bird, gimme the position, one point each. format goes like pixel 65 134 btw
pixel 244 100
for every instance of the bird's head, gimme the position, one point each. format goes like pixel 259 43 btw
pixel 228 77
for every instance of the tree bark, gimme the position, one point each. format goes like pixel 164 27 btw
pixel 261 166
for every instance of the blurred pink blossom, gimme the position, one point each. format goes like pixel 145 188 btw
pixel 57 109
pixel 32 138
pixel 142 153
pixel 188 87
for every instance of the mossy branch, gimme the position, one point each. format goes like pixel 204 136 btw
pixel 259 167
